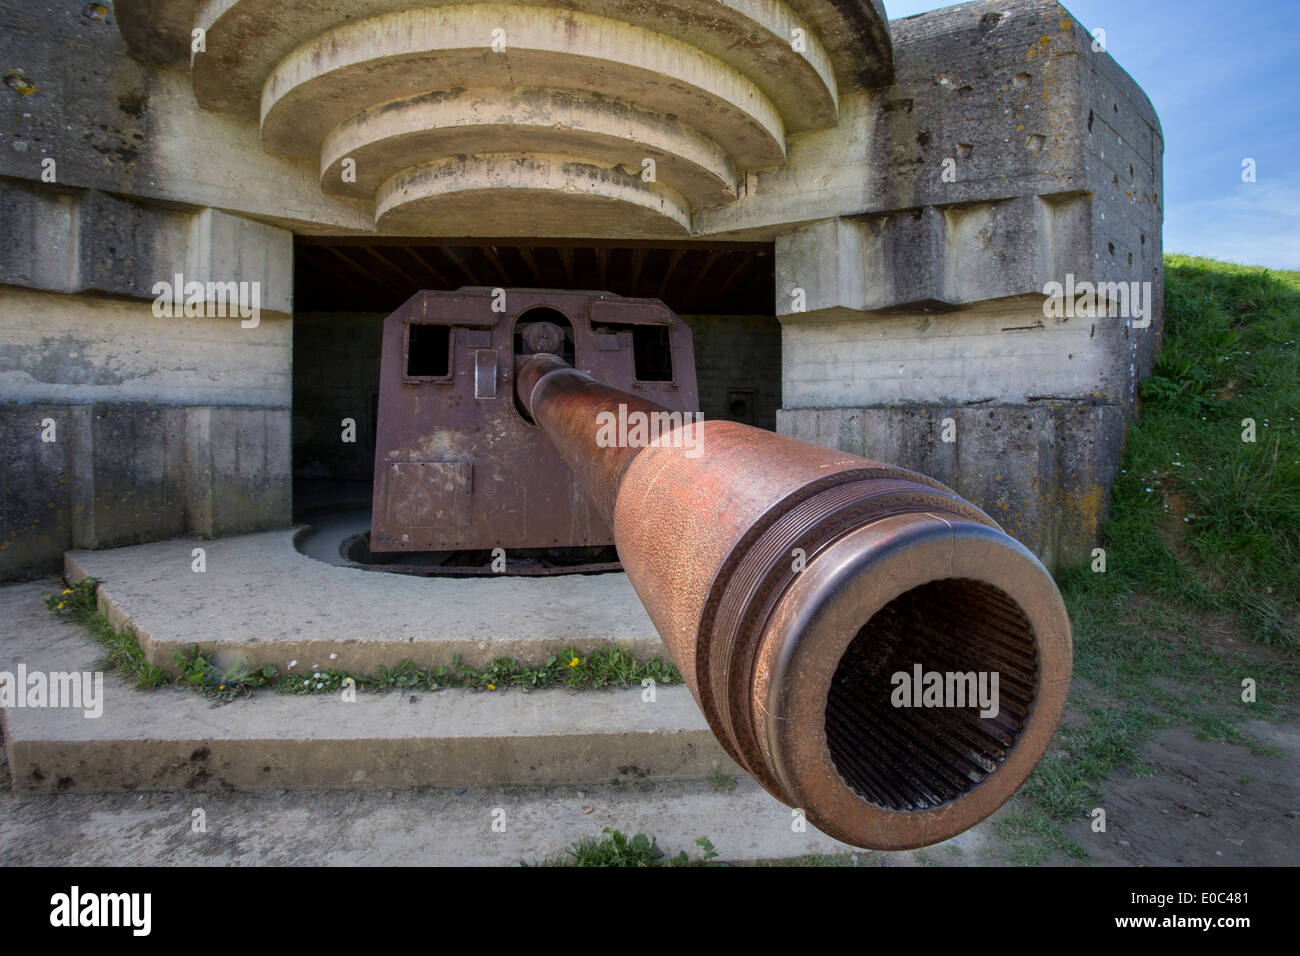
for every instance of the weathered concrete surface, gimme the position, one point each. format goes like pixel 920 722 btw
pixel 1042 471
pixel 96 243
pixel 1009 156
pixel 237 470
pixel 1003 351
pixel 35 491
pixel 336 74
pixel 167 376
pixel 543 194
pixel 113 123
pixel 262 601
pixel 170 399
pixel 738 366
pixel 799 81
pixel 80 349
pixel 383 141
pixel 935 258
pixel 120 474
pixel 174 739
pixel 738 74
pixel 1055 155
pixel 856 44
pixel 999 94
pixel 446 827
pixel 996 83
pixel 364 821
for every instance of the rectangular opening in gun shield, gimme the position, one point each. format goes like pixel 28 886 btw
pixel 428 351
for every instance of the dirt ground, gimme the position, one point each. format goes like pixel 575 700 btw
pixel 1206 804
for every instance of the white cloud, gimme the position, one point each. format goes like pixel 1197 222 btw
pixel 1257 224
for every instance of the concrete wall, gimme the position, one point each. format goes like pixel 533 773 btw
pixel 738 363
pixel 921 228
pixel 120 474
pixel 1041 471
pixel 1012 155
pixel 114 123
pixel 119 421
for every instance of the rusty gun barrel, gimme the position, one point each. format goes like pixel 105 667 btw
pixel 871 647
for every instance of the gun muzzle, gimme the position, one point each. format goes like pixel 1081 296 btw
pixel 871 647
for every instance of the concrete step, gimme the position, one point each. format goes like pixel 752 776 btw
pixel 421 827
pixel 463 827
pixel 175 739
pixel 262 600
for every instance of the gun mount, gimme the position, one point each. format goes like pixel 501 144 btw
pixel 871 647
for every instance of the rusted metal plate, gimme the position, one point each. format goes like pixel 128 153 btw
pixel 431 493
pixel 457 466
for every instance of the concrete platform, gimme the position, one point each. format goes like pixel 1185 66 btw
pixel 261 600
pixel 174 739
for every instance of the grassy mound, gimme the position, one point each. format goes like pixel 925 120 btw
pixel 1198 515
pixel 1201 587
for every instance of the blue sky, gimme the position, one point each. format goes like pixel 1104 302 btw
pixel 1223 79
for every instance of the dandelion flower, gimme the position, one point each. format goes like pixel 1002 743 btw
pixel 574 662
pixel 492 686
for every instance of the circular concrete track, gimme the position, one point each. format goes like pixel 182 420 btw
pixel 247 39
pixel 342 72
pixel 384 140
pixel 530 195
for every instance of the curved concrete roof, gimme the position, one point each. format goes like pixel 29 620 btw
pixel 390 95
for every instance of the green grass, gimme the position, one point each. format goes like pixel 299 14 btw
pixel 1231 352
pixel 1030 834
pixel 602 668
pixel 1144 659
pixel 615 848
pixel 122 651
pixel 722 782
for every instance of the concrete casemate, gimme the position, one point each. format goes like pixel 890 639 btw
pixel 925 181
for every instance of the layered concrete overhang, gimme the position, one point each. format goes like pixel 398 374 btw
pixel 624 116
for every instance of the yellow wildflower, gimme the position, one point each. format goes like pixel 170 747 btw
pixel 492 686
pixel 574 662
